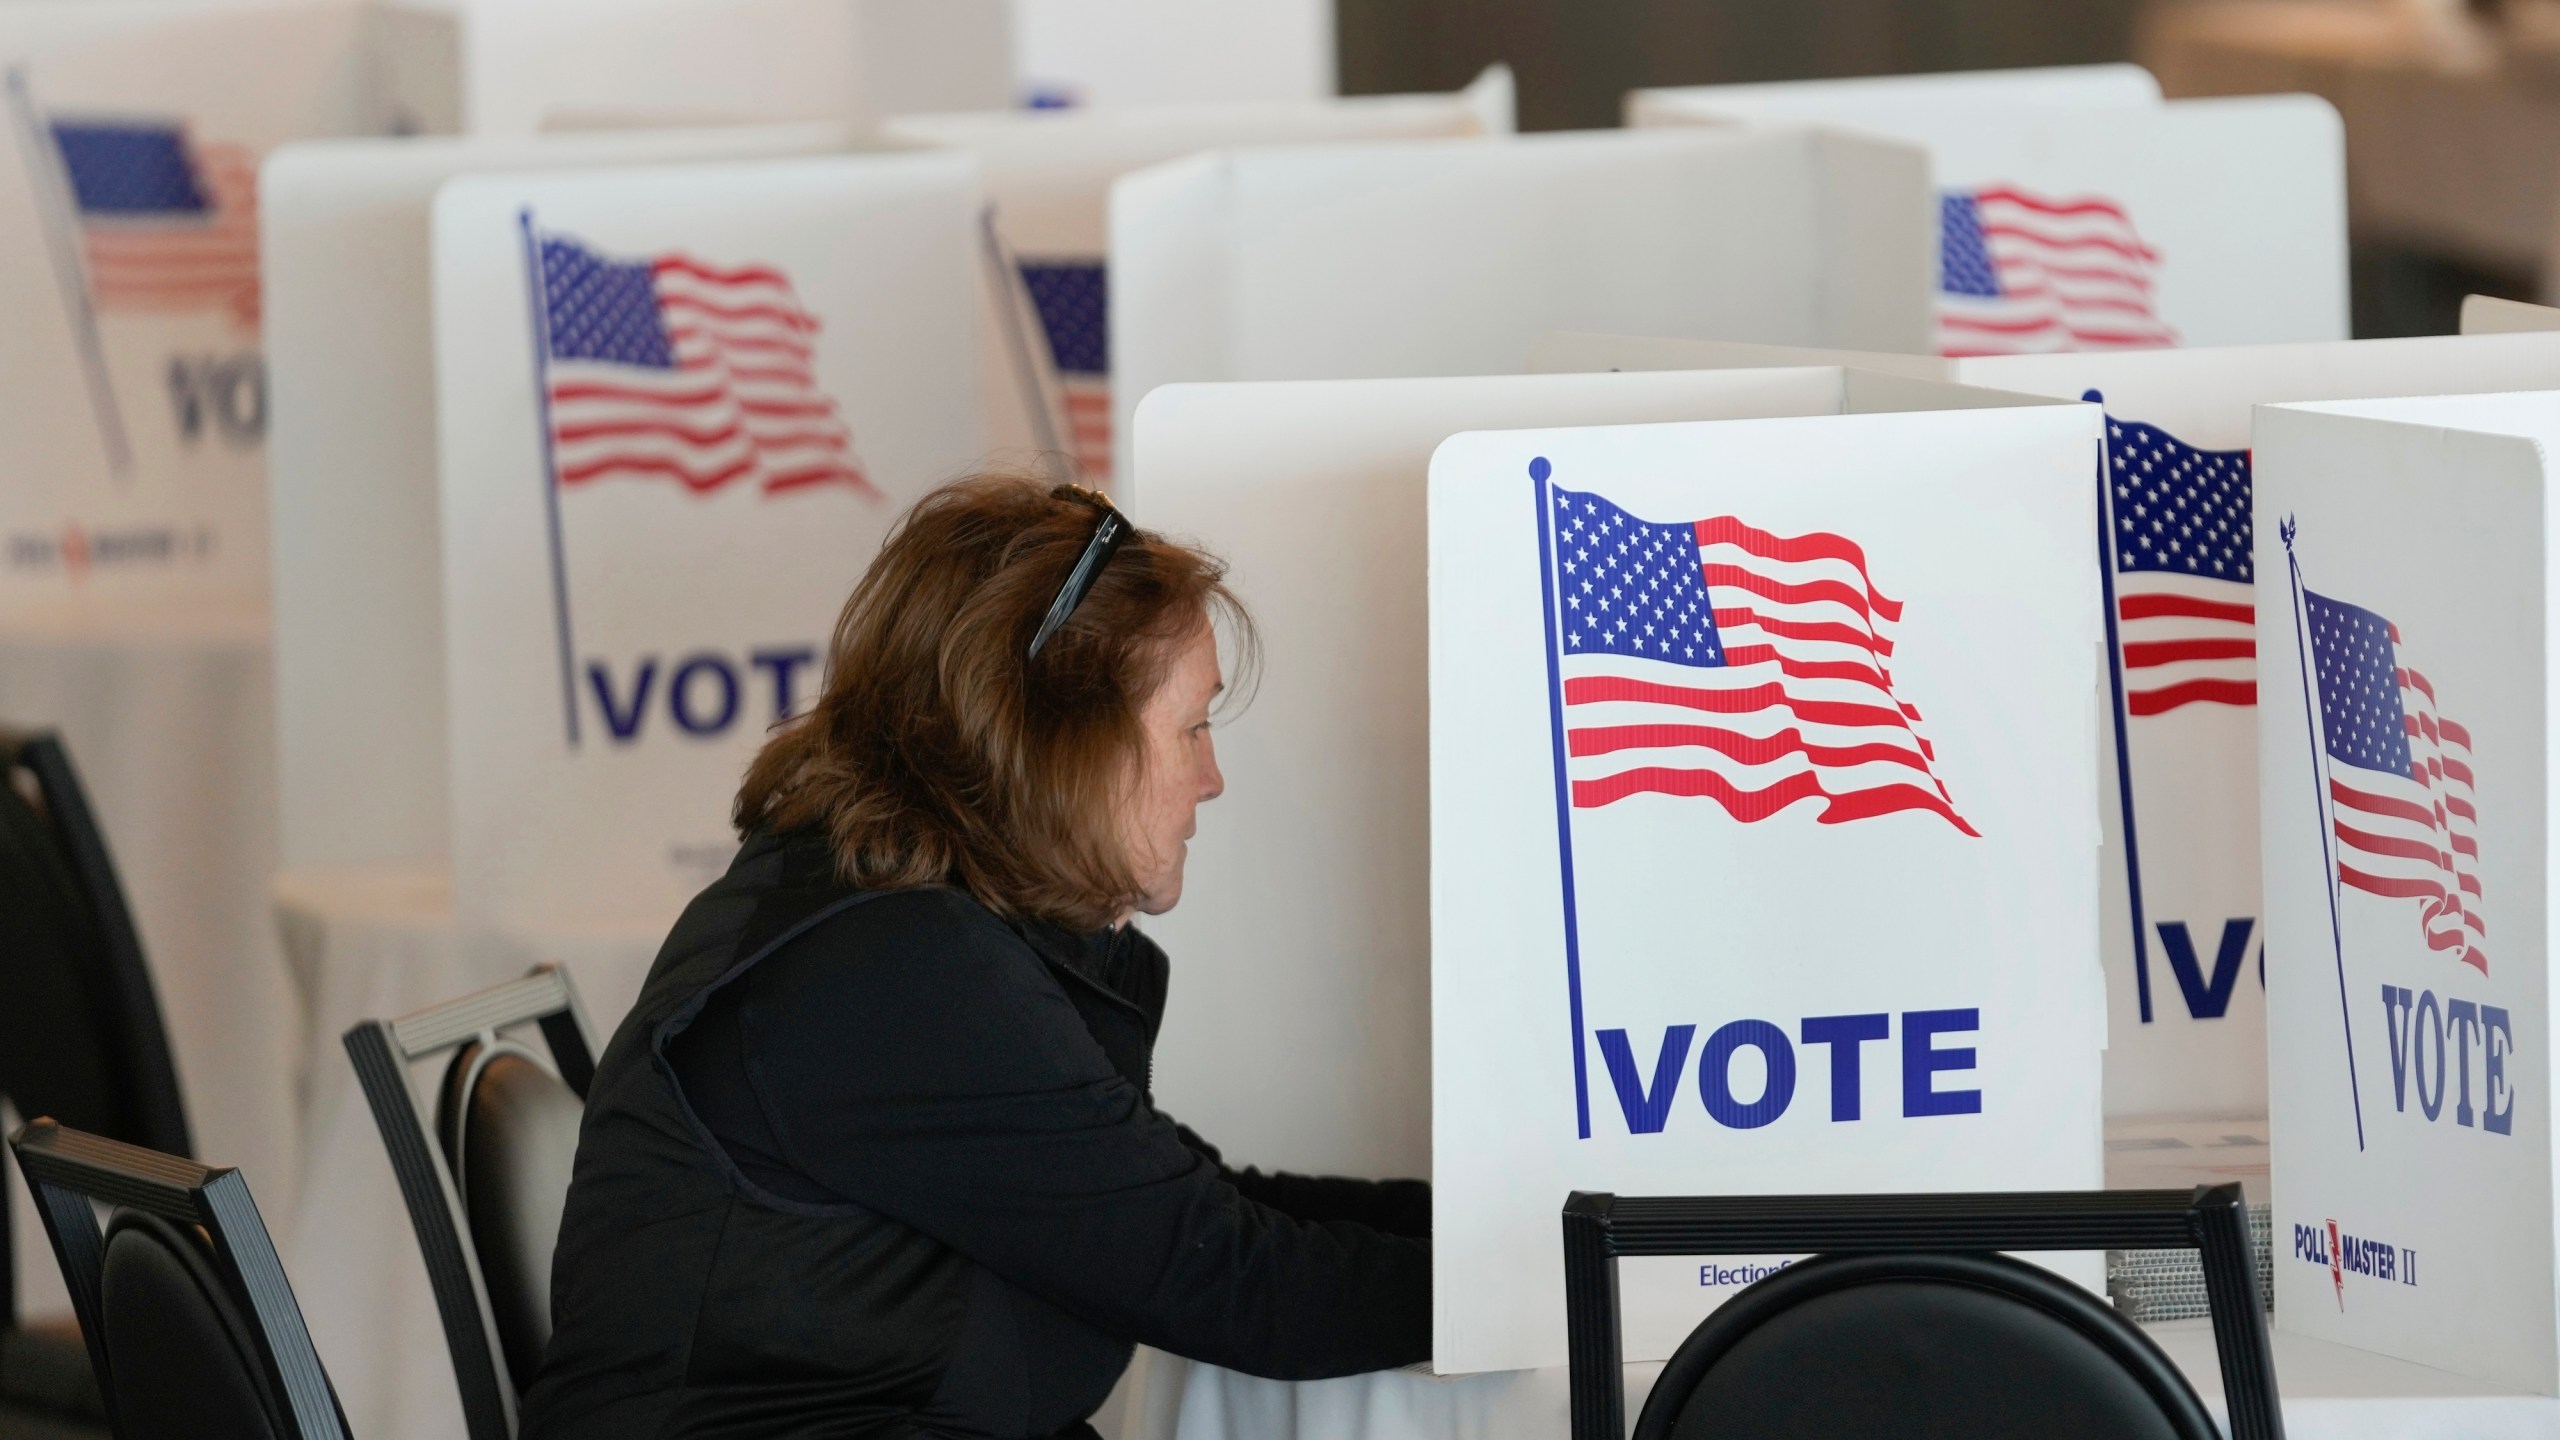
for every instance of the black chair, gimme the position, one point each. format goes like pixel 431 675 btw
pixel 486 1174
pixel 192 1328
pixel 1908 1321
pixel 81 1037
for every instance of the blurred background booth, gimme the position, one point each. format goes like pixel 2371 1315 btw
pixel 133 599
pixel 1448 258
pixel 2078 211
pixel 1050 175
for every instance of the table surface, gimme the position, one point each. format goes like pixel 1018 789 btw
pixel 2174 1152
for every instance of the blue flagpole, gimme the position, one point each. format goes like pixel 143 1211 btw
pixel 2116 715
pixel 2319 796
pixel 1539 470
pixel 550 474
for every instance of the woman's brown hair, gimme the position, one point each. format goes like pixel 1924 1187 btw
pixel 937 754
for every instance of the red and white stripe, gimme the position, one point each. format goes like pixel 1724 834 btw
pixel 2186 641
pixel 1088 402
pixel 1804 707
pixel 743 403
pixel 2074 275
pixel 2417 836
pixel 209 262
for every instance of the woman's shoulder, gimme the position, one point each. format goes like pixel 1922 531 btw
pixel 799 894
pixel 943 927
pixel 931 987
pixel 929 944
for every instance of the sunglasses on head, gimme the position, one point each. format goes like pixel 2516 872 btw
pixel 1110 529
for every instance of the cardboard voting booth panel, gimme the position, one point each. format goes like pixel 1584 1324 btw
pixel 676 412
pixel 531 65
pixel 1159 52
pixel 1564 352
pixel 1301 1034
pixel 2489 315
pixel 2186 939
pixel 1887 98
pixel 1443 258
pixel 136 414
pixel 1049 175
pixel 1761 833
pixel 2405 762
pixel 2090 217
pixel 358 577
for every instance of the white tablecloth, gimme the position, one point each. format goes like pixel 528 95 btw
pixel 169 715
pixel 2330 1392
pixel 373 944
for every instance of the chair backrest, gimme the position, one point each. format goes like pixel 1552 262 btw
pixel 1978 1346
pixel 93 1044
pixel 81 1037
pixel 183 1356
pixel 191 1325
pixel 1908 1321
pixel 509 1126
pixel 485 1173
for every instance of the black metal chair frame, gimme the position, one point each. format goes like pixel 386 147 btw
pixel 1599 1228
pixel 383 1051
pixel 75 827
pixel 65 808
pixel 70 1169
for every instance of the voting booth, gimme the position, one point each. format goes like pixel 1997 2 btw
pixel 1327 760
pixel 136 416
pixel 1049 174
pixel 1327 797
pixel 676 412
pixel 1446 258
pixel 2185 935
pixel 1884 99
pixel 2405 756
pixel 1752 740
pixel 1109 53
pixel 2489 315
pixel 358 570
pixel 2078 211
pixel 528 65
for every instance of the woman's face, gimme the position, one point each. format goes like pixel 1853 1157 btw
pixel 1179 771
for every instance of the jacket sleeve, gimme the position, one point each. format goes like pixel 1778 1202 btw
pixel 1399 1207
pixel 917 1058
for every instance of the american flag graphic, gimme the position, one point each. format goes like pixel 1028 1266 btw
pixel 672 368
pixel 1073 298
pixel 2405 814
pixel 2185 594
pixel 2019 274
pixel 166 224
pixel 1717 660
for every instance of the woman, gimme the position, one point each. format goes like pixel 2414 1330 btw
pixel 874 1154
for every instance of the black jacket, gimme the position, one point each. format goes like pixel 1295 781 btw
pixel 877 1163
